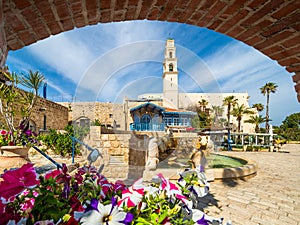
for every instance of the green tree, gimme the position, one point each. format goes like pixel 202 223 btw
pixel 229 101
pixel 290 128
pixel 203 103
pixel 33 81
pixel 217 112
pixel 202 120
pixel 239 112
pixel 258 106
pixel 256 120
pixel 266 90
pixel 16 103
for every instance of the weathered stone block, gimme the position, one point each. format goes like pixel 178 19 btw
pixel 107 144
pixel 115 144
pixel 104 137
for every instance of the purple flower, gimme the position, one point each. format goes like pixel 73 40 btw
pixel 28 132
pixel 99 214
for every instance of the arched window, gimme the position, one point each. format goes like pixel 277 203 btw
pixel 170 67
pixel 146 118
pixel 170 55
pixel 82 121
pixel 32 126
pixel 146 122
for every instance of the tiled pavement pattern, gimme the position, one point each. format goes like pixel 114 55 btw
pixel 271 197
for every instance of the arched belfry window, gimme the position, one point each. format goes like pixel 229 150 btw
pixel 170 55
pixel 170 67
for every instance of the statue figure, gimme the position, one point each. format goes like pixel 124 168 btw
pixel 198 160
pixel 152 159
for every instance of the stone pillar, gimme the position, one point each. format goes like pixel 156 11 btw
pixel 3 43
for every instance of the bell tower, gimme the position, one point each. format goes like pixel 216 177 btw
pixel 170 76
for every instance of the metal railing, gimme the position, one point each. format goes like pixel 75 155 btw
pixel 48 157
pixel 147 127
pixel 92 157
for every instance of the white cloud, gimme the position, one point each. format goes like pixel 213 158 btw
pixel 101 71
pixel 102 61
pixel 68 57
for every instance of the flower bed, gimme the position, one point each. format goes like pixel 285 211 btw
pixel 87 197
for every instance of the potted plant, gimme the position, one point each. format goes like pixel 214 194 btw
pixel 15 108
pixel 86 197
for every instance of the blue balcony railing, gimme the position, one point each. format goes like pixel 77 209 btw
pixel 147 127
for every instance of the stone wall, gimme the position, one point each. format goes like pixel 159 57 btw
pixel 56 116
pixel 124 154
pixel 108 114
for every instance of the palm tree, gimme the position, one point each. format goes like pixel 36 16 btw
pixel 33 81
pixel 16 103
pixel 203 103
pixel 256 120
pixel 238 112
pixel 266 90
pixel 258 106
pixel 203 115
pixel 218 110
pixel 229 101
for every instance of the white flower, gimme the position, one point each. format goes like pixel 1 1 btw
pixel 105 215
pixel 200 218
pixel 133 195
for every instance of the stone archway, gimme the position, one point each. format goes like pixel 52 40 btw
pixel 270 26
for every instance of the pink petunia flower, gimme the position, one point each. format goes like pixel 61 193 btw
pixel 168 186
pixel 29 203
pixel 3 132
pixel 172 190
pixel 105 185
pixel 15 181
pixel 119 186
pixel 133 195
pixel 53 174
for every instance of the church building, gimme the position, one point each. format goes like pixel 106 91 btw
pixel 157 111
pixel 152 117
pixel 172 98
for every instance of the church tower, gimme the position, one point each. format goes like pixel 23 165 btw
pixel 170 76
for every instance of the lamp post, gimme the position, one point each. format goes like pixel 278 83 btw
pixel 229 141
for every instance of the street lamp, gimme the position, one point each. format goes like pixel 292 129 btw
pixel 229 141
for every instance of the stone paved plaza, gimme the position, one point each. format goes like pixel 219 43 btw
pixel 271 197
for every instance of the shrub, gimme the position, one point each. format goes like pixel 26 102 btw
pixel 61 142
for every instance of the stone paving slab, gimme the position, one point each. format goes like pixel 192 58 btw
pixel 271 197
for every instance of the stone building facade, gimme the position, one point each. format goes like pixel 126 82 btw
pixel 110 115
pixel 45 115
pixel 117 115
pixel 48 114
pixel 172 98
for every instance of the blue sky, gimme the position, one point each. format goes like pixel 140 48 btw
pixel 106 62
